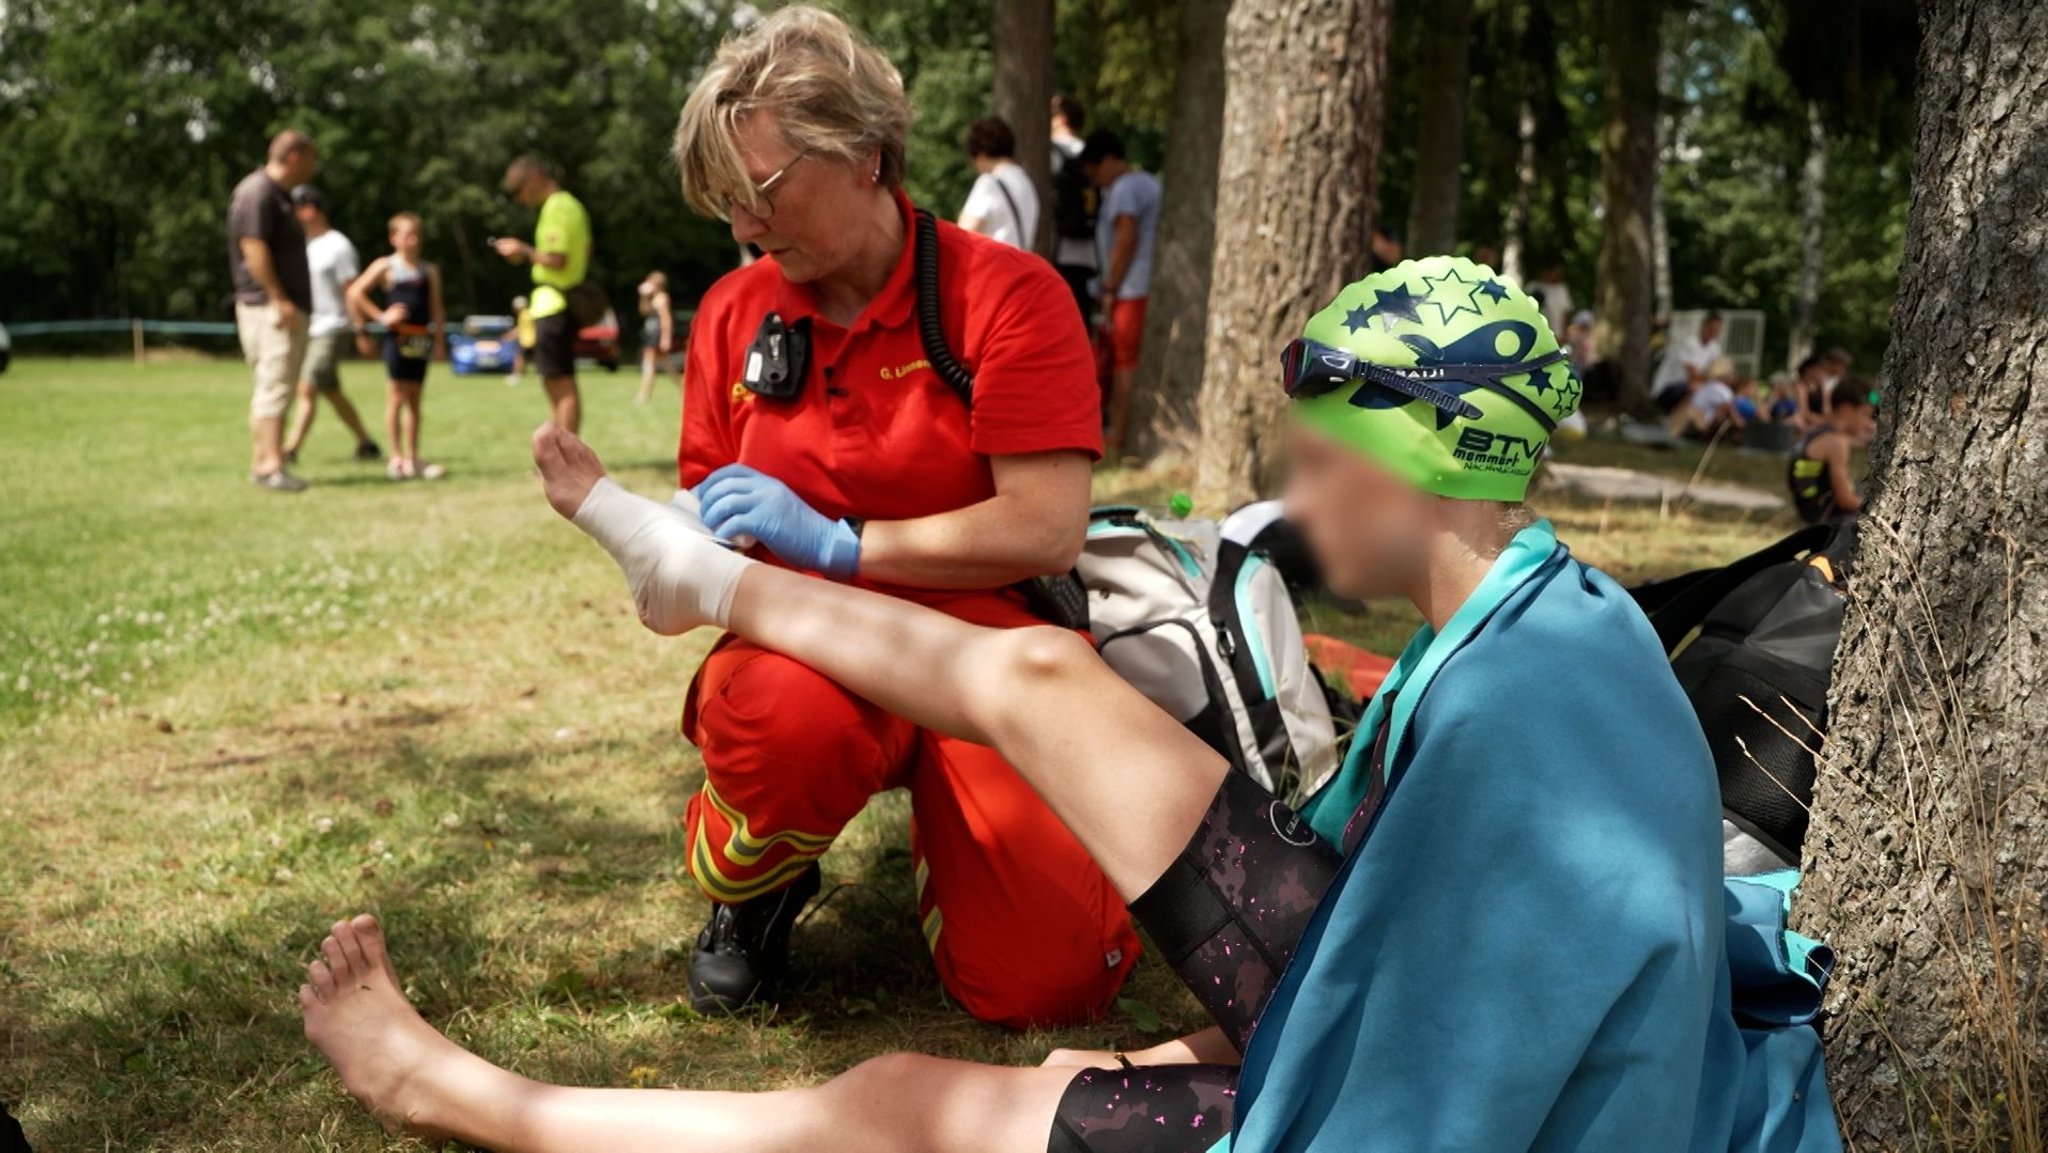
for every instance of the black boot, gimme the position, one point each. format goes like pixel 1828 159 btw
pixel 744 951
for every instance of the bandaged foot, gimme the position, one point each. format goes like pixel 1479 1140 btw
pixel 679 574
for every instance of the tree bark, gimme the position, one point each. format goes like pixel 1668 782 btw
pixel 1624 294
pixel 1294 210
pixel 1022 37
pixel 1170 368
pixel 1813 221
pixel 1440 133
pixel 1928 851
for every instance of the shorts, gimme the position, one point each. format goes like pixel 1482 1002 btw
pixel 274 354
pixel 405 356
pixel 1228 916
pixel 323 359
pixel 554 345
pixel 1127 331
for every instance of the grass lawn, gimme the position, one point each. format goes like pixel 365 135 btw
pixel 228 717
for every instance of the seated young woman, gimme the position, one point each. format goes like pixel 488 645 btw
pixel 1500 928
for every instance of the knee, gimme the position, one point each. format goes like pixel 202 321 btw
pixel 1044 654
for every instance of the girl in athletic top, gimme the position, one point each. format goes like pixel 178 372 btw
pixel 415 325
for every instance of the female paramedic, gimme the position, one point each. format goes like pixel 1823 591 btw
pixel 820 422
pixel 1501 928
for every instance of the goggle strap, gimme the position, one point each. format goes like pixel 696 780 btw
pixel 1492 381
pixel 1437 398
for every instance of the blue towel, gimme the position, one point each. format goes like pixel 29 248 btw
pixel 1530 948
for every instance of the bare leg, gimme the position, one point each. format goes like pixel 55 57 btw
pixel 266 452
pixel 649 363
pixel 411 1077
pixel 1085 739
pixel 393 403
pixel 565 403
pixel 302 420
pixel 409 418
pixel 345 409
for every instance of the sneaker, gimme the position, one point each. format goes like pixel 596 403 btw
pixel 279 481
pixel 430 472
pixel 398 469
pixel 744 952
pixel 368 450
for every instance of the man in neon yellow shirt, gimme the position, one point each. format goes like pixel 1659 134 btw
pixel 560 255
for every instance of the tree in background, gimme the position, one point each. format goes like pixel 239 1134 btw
pixel 1440 133
pixel 1176 320
pixel 125 125
pixel 1628 161
pixel 1022 33
pixel 1928 853
pixel 1848 69
pixel 1294 212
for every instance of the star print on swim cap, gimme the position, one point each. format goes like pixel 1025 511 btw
pixel 1462 318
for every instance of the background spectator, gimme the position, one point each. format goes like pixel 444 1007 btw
pixel 560 255
pixel 657 331
pixel 1073 204
pixel 1126 235
pixel 333 263
pixel 1686 362
pixel 273 294
pixel 1823 488
pixel 1553 296
pixel 1002 205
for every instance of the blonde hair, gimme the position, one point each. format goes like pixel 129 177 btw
pixel 832 91
pixel 412 218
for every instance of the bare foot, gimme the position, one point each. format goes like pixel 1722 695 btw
pixel 388 1057
pixel 568 467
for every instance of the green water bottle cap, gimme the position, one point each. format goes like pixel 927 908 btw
pixel 1182 504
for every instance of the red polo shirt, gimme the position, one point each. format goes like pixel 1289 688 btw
pixel 875 432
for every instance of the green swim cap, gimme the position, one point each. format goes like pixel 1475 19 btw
pixel 1451 327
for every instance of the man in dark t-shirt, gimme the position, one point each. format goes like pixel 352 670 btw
pixel 273 294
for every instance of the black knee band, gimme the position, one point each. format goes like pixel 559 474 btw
pixel 1157 1109
pixel 1229 912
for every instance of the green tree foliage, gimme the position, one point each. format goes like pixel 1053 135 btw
pixel 1732 190
pixel 123 126
pixel 1732 187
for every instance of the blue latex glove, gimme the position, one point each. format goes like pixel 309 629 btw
pixel 738 501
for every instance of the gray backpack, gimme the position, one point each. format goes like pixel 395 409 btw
pixel 1205 628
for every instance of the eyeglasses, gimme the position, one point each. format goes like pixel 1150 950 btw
pixel 762 206
pixel 1310 369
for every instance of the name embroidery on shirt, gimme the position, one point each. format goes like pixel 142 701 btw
pixel 903 370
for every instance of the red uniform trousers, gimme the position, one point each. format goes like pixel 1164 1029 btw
pixel 1024 928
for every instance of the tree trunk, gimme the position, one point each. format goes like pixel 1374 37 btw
pixel 1660 222
pixel 1928 852
pixel 1813 219
pixel 1170 371
pixel 1624 295
pixel 1440 133
pixel 1515 233
pixel 1021 35
pixel 1294 210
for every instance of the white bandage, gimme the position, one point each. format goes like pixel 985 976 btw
pixel 679 574
pixel 685 502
